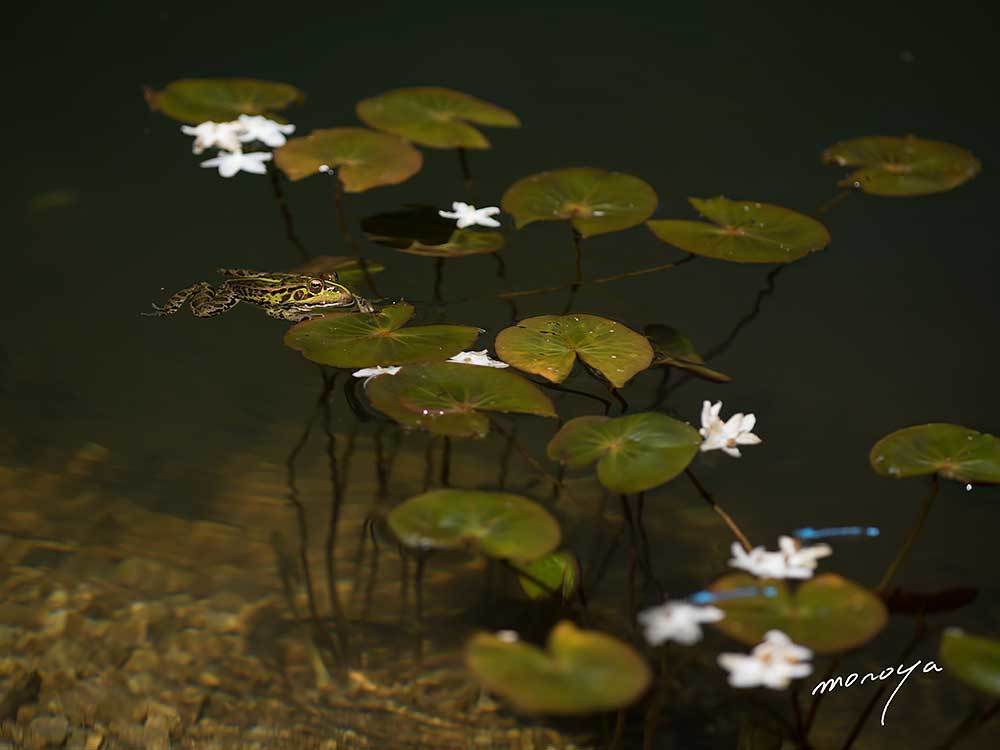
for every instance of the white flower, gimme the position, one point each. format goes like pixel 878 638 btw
pixel 268 132
pixel 677 621
pixel 224 135
pixel 229 163
pixel 468 215
pixel 726 435
pixel 480 358
pixel 790 561
pixel 373 372
pixel 773 663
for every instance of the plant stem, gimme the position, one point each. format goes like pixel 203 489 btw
pixel 911 536
pixel 726 518
pixel 345 230
pixel 463 163
pixel 578 277
pixel 330 555
pixel 835 200
pixel 970 724
pixel 286 214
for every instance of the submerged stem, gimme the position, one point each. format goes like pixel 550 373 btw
pixel 726 518
pixel 911 536
pixel 286 214
pixel 345 230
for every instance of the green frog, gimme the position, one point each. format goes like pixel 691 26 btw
pixel 286 296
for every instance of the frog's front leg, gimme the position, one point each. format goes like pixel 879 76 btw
pixel 176 302
pixel 293 316
pixel 364 305
pixel 208 301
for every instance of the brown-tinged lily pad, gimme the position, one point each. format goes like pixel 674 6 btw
pixel 594 201
pixel 196 100
pixel 421 230
pixel 975 660
pixel 579 672
pixel 948 450
pixel 548 345
pixel 902 166
pixel 673 349
pixel 434 116
pixel 744 232
pixel 364 158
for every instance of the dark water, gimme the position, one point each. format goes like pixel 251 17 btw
pixel 893 324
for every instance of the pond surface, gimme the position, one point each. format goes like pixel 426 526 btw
pixel 145 497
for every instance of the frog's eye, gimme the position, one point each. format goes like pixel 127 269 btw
pixel 315 286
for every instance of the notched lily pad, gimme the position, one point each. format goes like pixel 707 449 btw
pixel 634 453
pixel 902 166
pixel 579 672
pixel 548 345
pixel 673 349
pixel 498 524
pixel 434 116
pixel 447 398
pixel 744 232
pixel 370 339
pixel 420 230
pixel 364 159
pixel 348 269
pixel 196 100
pixel 594 201
pixel 949 450
pixel 826 613
pixel 558 571
pixel 973 659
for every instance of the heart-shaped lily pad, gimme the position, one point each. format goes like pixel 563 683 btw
pixel 973 659
pixel 673 349
pixel 447 398
pixel 950 451
pixel 595 201
pixel 370 339
pixel 348 269
pixel 902 166
pixel 221 99
pixel 826 613
pixel 498 524
pixel 558 571
pixel 744 232
pixel 434 116
pixel 364 159
pixel 579 672
pixel 548 345
pixel 421 230
pixel 634 453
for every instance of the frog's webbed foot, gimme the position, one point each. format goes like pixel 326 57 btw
pixel 176 302
pixel 364 305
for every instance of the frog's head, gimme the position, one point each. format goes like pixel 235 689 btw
pixel 321 292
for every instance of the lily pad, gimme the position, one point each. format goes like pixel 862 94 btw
pixel 902 166
pixel 559 571
pixel 548 345
pixel 634 453
pixel 370 339
pixel 594 201
pixel 434 116
pixel 949 450
pixel 498 524
pixel 420 230
pixel 826 613
pixel 673 349
pixel 972 659
pixel 579 672
pixel 348 269
pixel 744 232
pixel 447 398
pixel 364 159
pixel 196 100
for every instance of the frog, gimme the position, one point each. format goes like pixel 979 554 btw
pixel 292 297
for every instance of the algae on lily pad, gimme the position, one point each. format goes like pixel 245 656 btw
pixel 579 672
pixel 673 349
pixel 196 100
pixel 594 201
pixel 975 660
pixel 558 571
pixel 949 450
pixel 347 269
pixel 744 232
pixel 434 116
pixel 826 613
pixel 364 158
pixel 548 345
pixel 498 524
pixel 634 453
pixel 447 398
pixel 902 166
pixel 370 339
pixel 421 230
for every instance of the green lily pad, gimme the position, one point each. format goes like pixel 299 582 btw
pixel 579 672
pixel 370 339
pixel 950 451
pixel 972 659
pixel 548 345
pixel 420 230
pixel 196 100
pixel 364 159
pixel 826 613
pixel 634 453
pixel 498 524
pixel 347 269
pixel 673 349
pixel 595 201
pixel 434 116
pixel 744 232
pixel 559 571
pixel 894 166
pixel 447 398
